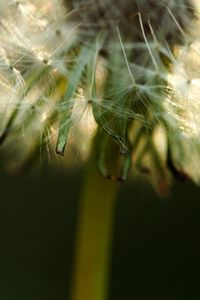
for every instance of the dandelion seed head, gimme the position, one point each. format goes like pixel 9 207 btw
pixel 127 72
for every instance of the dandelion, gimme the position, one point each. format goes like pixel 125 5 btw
pixel 119 55
pixel 114 80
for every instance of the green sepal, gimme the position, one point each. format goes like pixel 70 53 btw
pixel 84 58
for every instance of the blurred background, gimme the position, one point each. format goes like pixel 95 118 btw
pixel 156 245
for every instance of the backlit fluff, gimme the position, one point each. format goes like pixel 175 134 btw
pixel 126 73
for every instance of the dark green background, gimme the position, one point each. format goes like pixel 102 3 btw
pixel 156 249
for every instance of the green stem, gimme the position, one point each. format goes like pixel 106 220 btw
pixel 94 238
